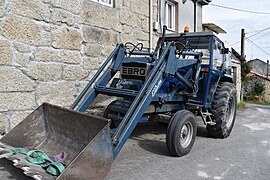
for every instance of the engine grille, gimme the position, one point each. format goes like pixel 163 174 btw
pixel 136 70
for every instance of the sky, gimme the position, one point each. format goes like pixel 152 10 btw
pixel 233 21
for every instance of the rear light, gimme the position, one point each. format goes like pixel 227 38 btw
pixel 205 70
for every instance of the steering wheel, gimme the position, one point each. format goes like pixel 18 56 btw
pixel 181 47
pixel 132 47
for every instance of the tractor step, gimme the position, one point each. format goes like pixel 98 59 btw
pixel 211 123
pixel 206 117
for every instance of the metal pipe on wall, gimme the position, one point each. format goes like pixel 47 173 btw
pixel 195 14
pixel 151 25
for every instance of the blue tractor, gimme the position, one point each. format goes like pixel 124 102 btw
pixel 187 75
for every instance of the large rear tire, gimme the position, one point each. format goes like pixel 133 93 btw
pixel 181 133
pixel 223 110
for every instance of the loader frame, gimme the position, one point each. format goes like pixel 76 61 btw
pixel 167 65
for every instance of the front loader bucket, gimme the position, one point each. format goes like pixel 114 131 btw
pixel 85 138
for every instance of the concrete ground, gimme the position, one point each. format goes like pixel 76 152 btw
pixel 244 155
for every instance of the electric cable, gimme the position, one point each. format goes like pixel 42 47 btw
pixel 261 36
pixel 251 32
pixel 258 46
pixel 258 32
pixel 240 10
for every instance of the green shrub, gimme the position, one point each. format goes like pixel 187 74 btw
pixel 245 70
pixel 257 90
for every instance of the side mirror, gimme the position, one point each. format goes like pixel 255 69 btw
pixel 225 51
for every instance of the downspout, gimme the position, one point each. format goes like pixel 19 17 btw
pixel 195 14
pixel 151 25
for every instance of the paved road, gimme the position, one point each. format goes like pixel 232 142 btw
pixel 244 155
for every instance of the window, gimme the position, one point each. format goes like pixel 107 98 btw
pixel 170 14
pixel 105 2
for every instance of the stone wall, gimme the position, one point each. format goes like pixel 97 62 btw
pixel 49 49
pixel 249 86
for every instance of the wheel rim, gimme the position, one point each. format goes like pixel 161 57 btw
pixel 186 134
pixel 230 112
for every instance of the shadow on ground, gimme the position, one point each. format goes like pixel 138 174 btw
pixel 152 137
pixel 201 132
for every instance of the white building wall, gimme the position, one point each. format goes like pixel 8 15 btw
pixel 186 16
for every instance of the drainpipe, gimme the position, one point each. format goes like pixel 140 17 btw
pixel 195 14
pixel 151 25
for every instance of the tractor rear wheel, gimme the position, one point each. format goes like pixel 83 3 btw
pixel 223 110
pixel 181 133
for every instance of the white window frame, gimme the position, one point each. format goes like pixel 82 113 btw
pixel 104 3
pixel 173 15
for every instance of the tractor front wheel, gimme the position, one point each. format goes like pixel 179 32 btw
pixel 181 133
pixel 223 110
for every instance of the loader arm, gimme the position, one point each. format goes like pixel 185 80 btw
pixel 142 100
pixel 88 95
